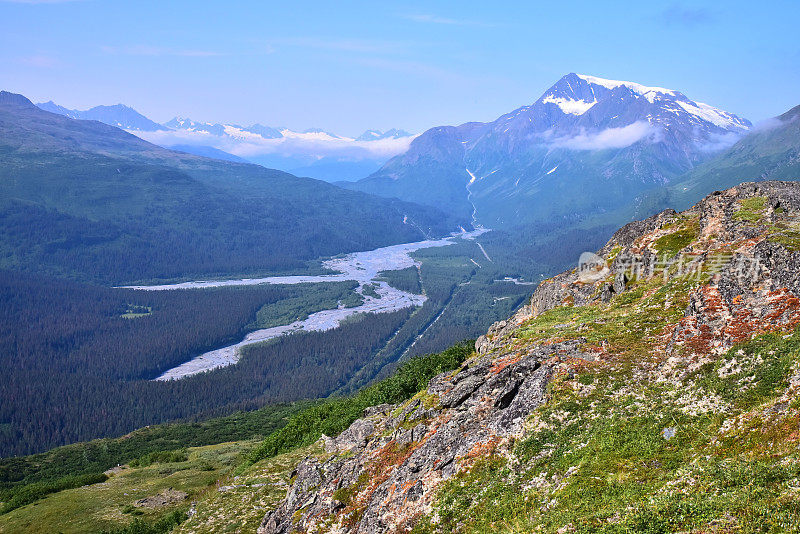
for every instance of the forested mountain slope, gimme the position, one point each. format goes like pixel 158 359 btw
pixel 90 201
pixel 78 360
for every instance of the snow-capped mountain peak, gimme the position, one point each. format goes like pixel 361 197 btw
pixel 369 135
pixel 587 145
pixel 579 102
pixel 312 134
pixel 576 94
pixel 181 123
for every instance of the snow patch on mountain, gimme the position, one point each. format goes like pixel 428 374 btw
pixel 240 133
pixel 307 146
pixel 666 97
pixel 711 114
pixel 633 86
pixel 375 135
pixel 313 134
pixel 568 105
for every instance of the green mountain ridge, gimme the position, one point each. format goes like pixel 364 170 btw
pixel 89 201
pixel 770 152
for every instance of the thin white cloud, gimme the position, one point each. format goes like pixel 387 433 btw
pixel 350 149
pixel 378 54
pixel 157 51
pixel 766 124
pixel 717 142
pixel 608 138
pixel 367 46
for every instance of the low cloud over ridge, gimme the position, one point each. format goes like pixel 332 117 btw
pixel 348 149
pixel 609 138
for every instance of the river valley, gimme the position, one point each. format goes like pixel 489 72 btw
pixel 363 267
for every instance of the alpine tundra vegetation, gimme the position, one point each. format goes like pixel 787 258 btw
pixel 654 391
pixel 660 397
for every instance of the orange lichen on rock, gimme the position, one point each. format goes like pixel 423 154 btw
pixel 502 363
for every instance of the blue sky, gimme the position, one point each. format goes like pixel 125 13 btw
pixel 347 66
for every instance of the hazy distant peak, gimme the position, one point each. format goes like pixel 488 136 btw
pixel 15 100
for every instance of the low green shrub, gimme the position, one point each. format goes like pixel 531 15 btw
pixel 161 526
pixel 161 457
pixel 33 492
pixel 333 416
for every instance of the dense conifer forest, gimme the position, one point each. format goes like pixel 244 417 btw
pixel 78 359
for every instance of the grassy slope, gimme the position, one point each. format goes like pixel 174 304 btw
pixel 597 459
pixel 246 463
pixel 615 450
pixel 95 457
pixel 111 504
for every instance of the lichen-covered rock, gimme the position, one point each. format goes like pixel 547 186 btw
pixel 388 479
pixel 733 261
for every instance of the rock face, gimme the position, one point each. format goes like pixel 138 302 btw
pixel 165 498
pixel 394 460
pixel 735 252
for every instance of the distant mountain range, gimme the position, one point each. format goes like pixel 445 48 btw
pixel 377 135
pixel 587 156
pixel 313 152
pixel 588 146
pixel 258 132
pixel 90 201
pixel 117 115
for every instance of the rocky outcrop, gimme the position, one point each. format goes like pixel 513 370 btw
pixel 566 287
pixel 762 274
pixel 384 482
pixel 737 253
pixel 165 498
